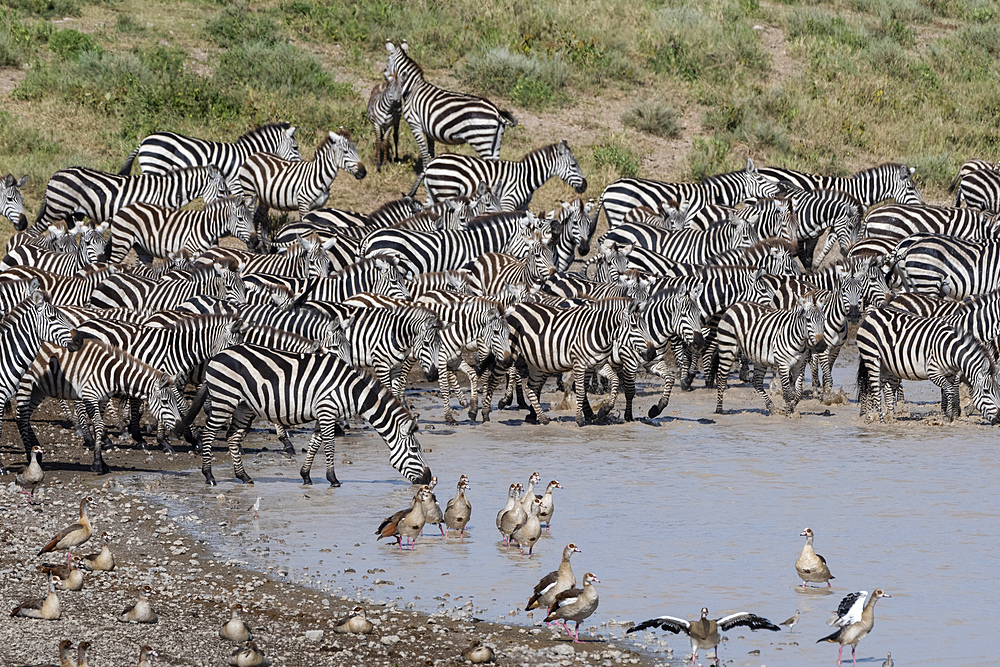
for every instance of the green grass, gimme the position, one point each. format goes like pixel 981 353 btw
pixel 616 153
pixel 653 117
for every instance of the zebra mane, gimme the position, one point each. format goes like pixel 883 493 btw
pixel 199 320
pixel 391 206
pixel 669 292
pixel 715 178
pixel 263 129
pixel 220 202
pixel 123 356
pixel 885 166
pixel 362 265
pixel 491 219
pixel 541 150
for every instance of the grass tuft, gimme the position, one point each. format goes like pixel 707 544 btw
pixel 653 117
pixel 238 24
pixel 616 153
pixel 529 81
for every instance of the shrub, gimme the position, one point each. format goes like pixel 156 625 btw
pixel 15 39
pixel 530 81
pixel 707 157
pixel 47 8
pixel 125 23
pixel 237 24
pixel 616 153
pixel 69 44
pixel 653 117
pixel 273 67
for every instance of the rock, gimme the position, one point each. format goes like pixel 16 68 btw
pixel 390 640
pixel 314 635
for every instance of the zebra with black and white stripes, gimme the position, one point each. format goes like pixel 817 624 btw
pixel 12 201
pixel 896 345
pixel 378 274
pixel 886 181
pixel 156 231
pixel 609 263
pixel 88 249
pixel 491 272
pixel 91 376
pixel 307 258
pixel 895 222
pixel 690 246
pixel 98 195
pixel 769 337
pixel 385 108
pixel 968 167
pixel 573 225
pixel 303 185
pixel 728 189
pixel 513 181
pixel 222 279
pixel 245 381
pixel 821 210
pixel 980 190
pixel 162 152
pixel 947 266
pixel 978 315
pixel 74 290
pixel 438 115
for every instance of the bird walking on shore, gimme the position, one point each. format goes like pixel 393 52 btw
pixel 46 608
pixel 575 604
pixel 236 629
pixel 354 623
pixel 854 619
pixel 554 583
pixel 31 477
pixel 704 633
pixel 791 621
pixel 74 535
pixel 140 611
pixel 810 566
pixel 458 511
pixel 255 508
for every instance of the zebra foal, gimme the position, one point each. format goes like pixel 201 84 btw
pixel 385 108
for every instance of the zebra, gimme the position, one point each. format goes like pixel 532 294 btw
pixel 165 151
pixel 89 249
pixel 438 115
pixel 895 222
pixel 886 181
pixel 609 263
pixel 221 279
pixel 573 225
pixel 12 202
pixel 728 189
pixel 490 272
pixel 666 215
pixel 630 284
pixel 377 274
pixel 947 266
pixel 91 375
pixel 340 220
pixel 308 258
pixel 247 381
pixel 385 108
pixel 775 257
pixel 773 338
pixel 980 190
pixel 797 178
pixel 691 246
pixel 967 168
pixel 455 281
pixel 819 210
pixel 157 231
pixel 74 290
pixel 99 195
pixel 897 345
pixel 301 186
pixel 978 315
pixel 549 340
pixel 514 182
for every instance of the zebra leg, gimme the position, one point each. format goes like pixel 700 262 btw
pixel 608 373
pixel 787 376
pixel 82 424
pixel 513 380
pixel 580 386
pixel 532 383
pixel 286 442
pixel 758 384
pixel 306 468
pixel 242 417
pixel 456 386
pixel 24 408
pixel 661 369
pixel 135 429
pixel 94 412
pixel 493 378
pixel 814 364
pixel 326 419
pixel 831 238
pixel 726 358
pixel 444 387
pixel 217 418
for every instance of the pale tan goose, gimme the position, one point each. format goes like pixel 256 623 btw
pixel 72 536
pixel 81 654
pixel 141 611
pixel 104 561
pixel 70 576
pixel 527 533
pixel 888 661
pixel 479 654
pixel 512 518
pixel 432 511
pixel 354 623
pixel 236 629
pixel 810 565
pixel 248 656
pixel 791 621
pixel 529 493
pixel 146 654
pixel 554 583
pixel 29 478
pixel 405 523
pixel 704 633
pixel 854 619
pixel 65 656
pixel 511 500
pixel 548 506
pixel 46 608
pixel 459 510
pixel 575 604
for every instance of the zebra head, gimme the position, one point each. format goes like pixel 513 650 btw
pixel 567 168
pixel 493 343
pixel 393 93
pixel 239 218
pixel 851 292
pixel 572 230
pixel 427 345
pixel 685 317
pixel 775 219
pixel 287 148
pixel 400 65
pixel 405 454
pixel 336 340
pixel 901 185
pixel 390 281
pixel 12 202
pixel 779 260
pixel 315 255
pixel 207 183
pixel 91 244
pixel 539 258
pixel 611 261
pixel 485 200
pixel 231 276
pixel 51 325
pixel 812 310
pixel 339 151
pixel 165 401
pixel 755 185
pixel 760 290
pixel 875 282
pixel 983 390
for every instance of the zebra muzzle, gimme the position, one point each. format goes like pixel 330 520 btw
pixel 75 341
pixel 361 172
pixel 580 189
pixel 20 223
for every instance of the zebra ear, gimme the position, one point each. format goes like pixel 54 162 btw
pixel 8 180
pixel 389 46
pixel 33 285
pixel 290 132
pixel 38 297
pixel 750 166
pixel 101 228
pixel 403 45
pixel 21 181
pixel 329 243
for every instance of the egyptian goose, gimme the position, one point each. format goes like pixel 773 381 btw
pixel 141 611
pixel 791 621
pixel 146 654
pixel 554 583
pixel 354 623
pixel 104 561
pixel 458 511
pixel 854 619
pixel 575 604
pixel 888 661
pixel 704 633
pixel 527 533
pixel 405 523
pixel 236 629
pixel 432 511
pixel 70 576
pixel 513 517
pixel 248 656
pixel 478 653
pixel 81 654
pixel 529 493
pixel 65 654
pixel 511 500
pixel 29 478
pixel 72 536
pixel 810 565
pixel 548 508
pixel 45 608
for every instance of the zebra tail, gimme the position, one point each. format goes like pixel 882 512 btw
pixel 127 167
pixel 864 388
pixel 41 211
pixel 954 182
pixel 420 179
pixel 508 118
pixel 196 405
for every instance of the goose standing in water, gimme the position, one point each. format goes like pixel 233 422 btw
pixel 811 566
pixel 527 533
pixel 554 583
pixel 432 511
pixel 548 507
pixel 459 510
pixel 405 523
pixel 704 633
pixel 854 619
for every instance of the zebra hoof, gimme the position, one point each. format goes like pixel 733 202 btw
pixel 543 420
pixel 654 411
pixel 531 418
pixel 463 402
pixel 306 478
pixel 472 415
pixel 167 449
pixel 502 404
pixel 450 418
pixel 289 447
pixel 209 477
pixel 245 478
pixel 629 417
pixel 332 478
pixel 486 416
pixel 338 431
pixel 100 467
pixel 581 422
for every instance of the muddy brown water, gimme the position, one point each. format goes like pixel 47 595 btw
pixel 693 510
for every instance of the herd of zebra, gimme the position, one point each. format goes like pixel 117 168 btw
pixel 323 319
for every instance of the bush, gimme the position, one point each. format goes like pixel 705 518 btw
pixel 708 157
pixel 616 153
pixel 15 39
pixel 237 25
pixel 279 67
pixel 46 8
pixel 653 117
pixel 69 44
pixel 125 23
pixel 530 81
pixel 828 27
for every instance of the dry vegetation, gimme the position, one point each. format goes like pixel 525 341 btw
pixel 672 89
